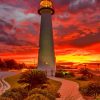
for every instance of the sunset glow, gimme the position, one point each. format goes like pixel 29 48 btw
pixel 76 28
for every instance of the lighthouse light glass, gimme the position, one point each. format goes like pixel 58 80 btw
pixel 46 3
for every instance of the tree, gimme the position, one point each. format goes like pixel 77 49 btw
pixel 2 64
pixel 10 63
pixel 33 78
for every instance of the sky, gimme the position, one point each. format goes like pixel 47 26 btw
pixel 76 30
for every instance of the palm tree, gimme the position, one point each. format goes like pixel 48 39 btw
pixel 33 78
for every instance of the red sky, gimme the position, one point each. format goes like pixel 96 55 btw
pixel 76 29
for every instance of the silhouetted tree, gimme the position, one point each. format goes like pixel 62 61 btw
pixel 98 66
pixel 10 63
pixel 2 64
pixel 20 66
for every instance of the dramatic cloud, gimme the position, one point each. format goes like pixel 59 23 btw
pixel 77 5
pixel 87 40
pixel 76 27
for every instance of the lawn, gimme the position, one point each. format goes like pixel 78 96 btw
pixel 53 86
pixel 12 80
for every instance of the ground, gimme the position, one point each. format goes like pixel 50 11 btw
pixel 53 86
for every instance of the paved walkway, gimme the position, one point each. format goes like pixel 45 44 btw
pixel 69 90
pixel 4 86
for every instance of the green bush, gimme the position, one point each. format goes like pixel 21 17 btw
pixel 43 92
pixel 16 93
pixel 37 97
pixel 44 86
pixel 33 78
pixel 69 74
pixel 64 74
pixel 59 74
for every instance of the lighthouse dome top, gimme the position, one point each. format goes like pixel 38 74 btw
pixel 46 3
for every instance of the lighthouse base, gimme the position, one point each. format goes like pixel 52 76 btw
pixel 50 71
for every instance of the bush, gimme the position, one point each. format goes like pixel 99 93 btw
pixel 59 74
pixel 86 72
pixel 64 74
pixel 33 78
pixel 44 86
pixel 93 89
pixel 42 92
pixel 5 98
pixel 16 93
pixel 83 78
pixel 37 97
pixel 69 75
pixel 58 95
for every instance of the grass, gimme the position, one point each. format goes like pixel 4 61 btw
pixel 12 80
pixel 53 86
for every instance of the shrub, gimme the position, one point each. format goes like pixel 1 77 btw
pixel 37 97
pixel 64 74
pixel 33 78
pixel 93 89
pixel 5 98
pixel 69 75
pixel 58 95
pixel 59 74
pixel 15 96
pixel 83 78
pixel 44 86
pixel 43 92
pixel 16 93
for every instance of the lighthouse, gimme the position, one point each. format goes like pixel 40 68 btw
pixel 46 54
